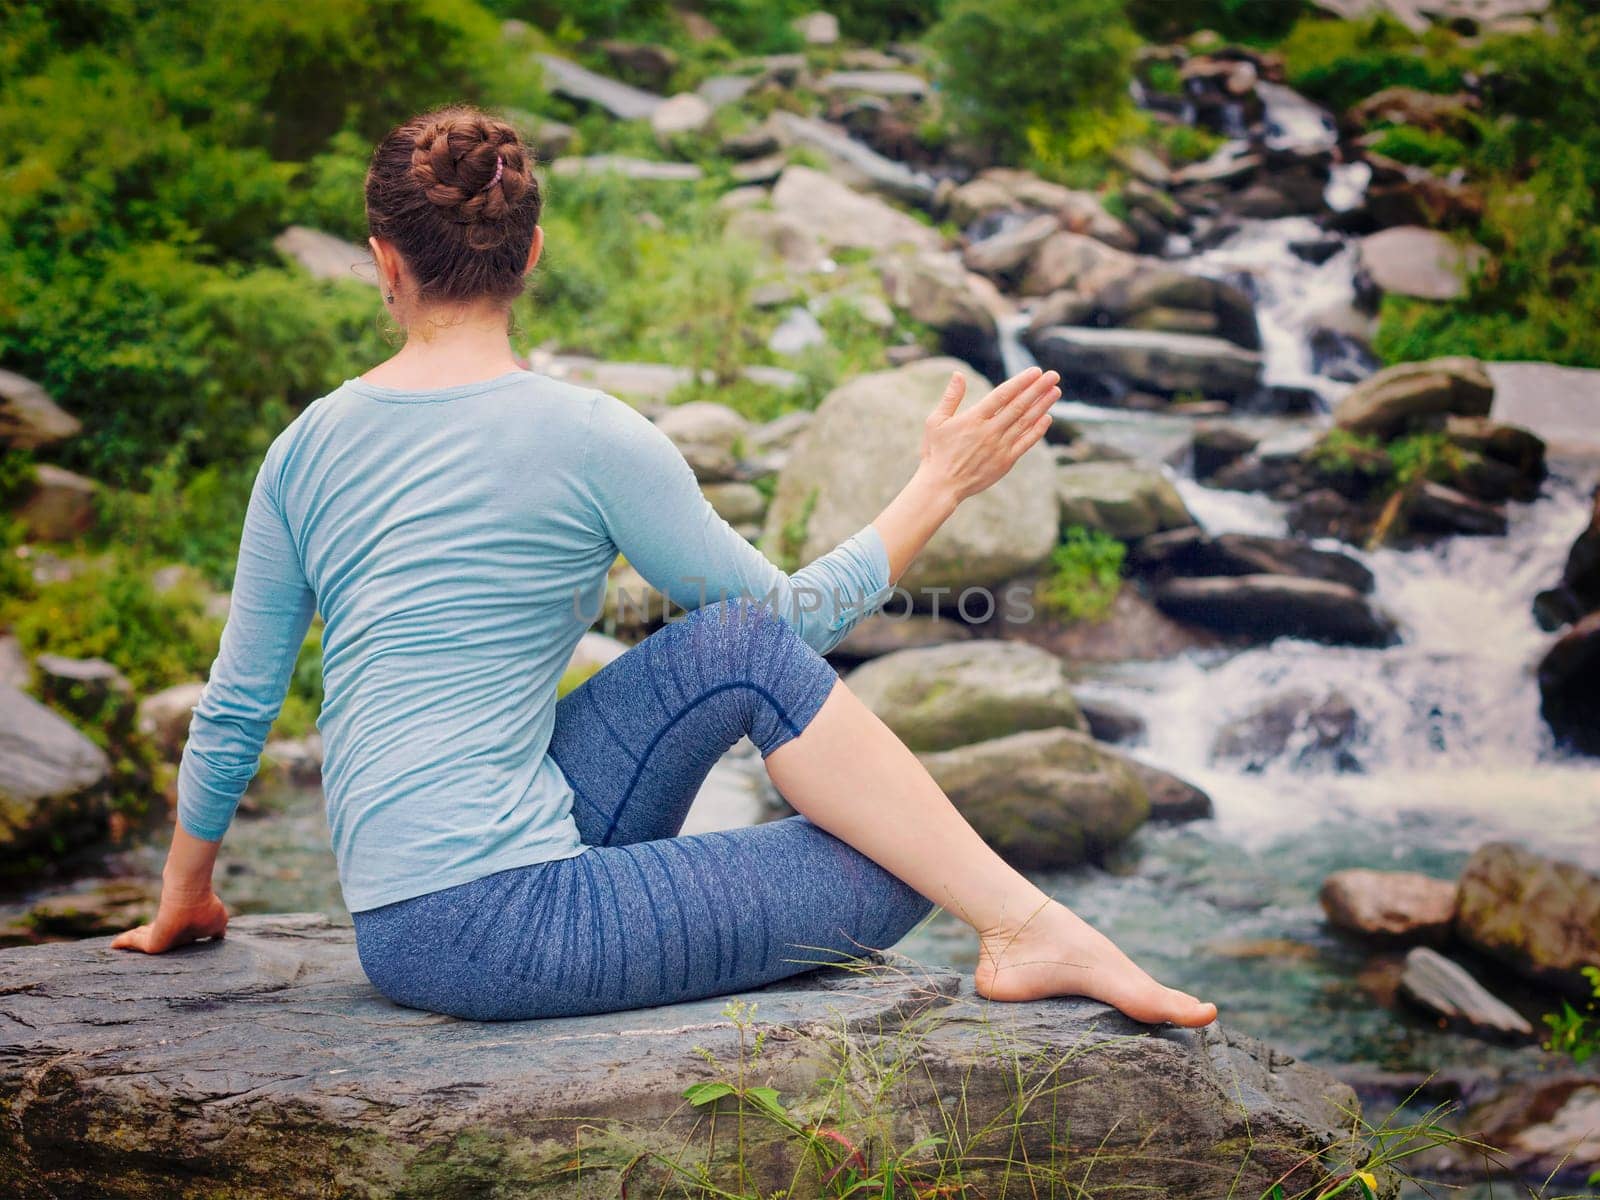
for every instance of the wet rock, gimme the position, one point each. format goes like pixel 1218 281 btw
pixel 29 418
pixel 1435 508
pixel 1265 607
pixel 1135 630
pixel 1215 446
pixel 1413 396
pixel 1409 260
pixel 325 256
pixel 685 115
pixel 1402 195
pixel 1111 722
pixel 1578 591
pixel 566 78
pixel 1545 1129
pixel 301 1090
pixel 1539 916
pixel 1160 297
pixel 52 779
pixel 644 63
pixel 1193 552
pixel 163 717
pixel 1172 799
pixel 59 506
pixel 829 489
pixel 1520 450
pixel 935 290
pixel 1106 363
pixel 1314 732
pixel 647 170
pixel 1045 799
pixel 1445 989
pixel 885 633
pixel 1125 500
pixel 842 218
pixel 1390 906
pixel 947 696
pixel 1316 251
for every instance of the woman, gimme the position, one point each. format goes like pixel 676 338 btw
pixel 506 855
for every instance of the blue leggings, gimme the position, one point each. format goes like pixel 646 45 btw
pixel 642 916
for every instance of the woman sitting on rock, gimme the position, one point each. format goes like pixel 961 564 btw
pixel 505 854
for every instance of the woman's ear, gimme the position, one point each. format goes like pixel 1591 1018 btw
pixel 387 260
pixel 536 249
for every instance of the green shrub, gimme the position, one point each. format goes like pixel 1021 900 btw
pixel 1085 575
pixel 1238 20
pixel 1021 75
pixel 1420 147
pixel 1342 62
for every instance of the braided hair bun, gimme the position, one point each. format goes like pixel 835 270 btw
pixel 454 191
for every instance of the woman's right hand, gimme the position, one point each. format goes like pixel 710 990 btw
pixel 972 450
pixel 180 919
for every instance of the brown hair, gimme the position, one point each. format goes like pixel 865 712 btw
pixel 454 191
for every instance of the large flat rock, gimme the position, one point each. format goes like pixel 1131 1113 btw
pixel 266 1065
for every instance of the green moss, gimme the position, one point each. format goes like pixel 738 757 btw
pixel 1084 577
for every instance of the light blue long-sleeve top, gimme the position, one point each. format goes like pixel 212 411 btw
pixel 456 542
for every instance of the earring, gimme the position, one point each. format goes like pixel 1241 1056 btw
pixel 389 296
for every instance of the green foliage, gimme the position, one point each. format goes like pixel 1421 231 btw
pixel 1341 62
pixel 1237 20
pixel 155 638
pixel 1085 575
pixel 879 21
pixel 1187 143
pixel 1573 1033
pixel 1420 147
pixel 1029 77
pixel 180 516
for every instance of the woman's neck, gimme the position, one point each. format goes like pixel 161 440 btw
pixel 448 348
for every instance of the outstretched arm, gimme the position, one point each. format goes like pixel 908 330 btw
pixel 653 509
pixel 268 616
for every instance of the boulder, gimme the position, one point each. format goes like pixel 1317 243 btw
pixel 15 669
pixel 319 1085
pixel 647 170
pixel 737 503
pixel 645 63
pixel 1412 106
pixel 566 78
pixel 1390 906
pixel 1126 500
pixel 1402 195
pixel 1414 396
pixel 60 505
pixel 1158 297
pixel 29 418
pixel 1135 630
pixel 1079 211
pixel 1216 445
pixel 1434 508
pixel 1004 256
pixel 325 256
pixel 1444 988
pixel 1192 552
pixel 85 688
pixel 798 332
pixel 1315 732
pixel 891 83
pixel 1264 607
pixel 844 219
pixel 1111 722
pixel 886 632
pixel 1172 798
pixel 1578 591
pixel 1044 799
pixel 1110 362
pixel 817 28
pixel 722 90
pixel 163 717
pixel 52 779
pixel 1410 260
pixel 1072 260
pixel 685 115
pixel 934 289
pixel 1543 1128
pixel 858 164
pixel 1539 916
pixel 865 441
pixel 946 696
pixel 703 423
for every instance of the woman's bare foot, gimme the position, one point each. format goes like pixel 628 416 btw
pixel 1057 953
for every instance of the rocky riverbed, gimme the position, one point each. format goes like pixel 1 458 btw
pixel 1355 630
